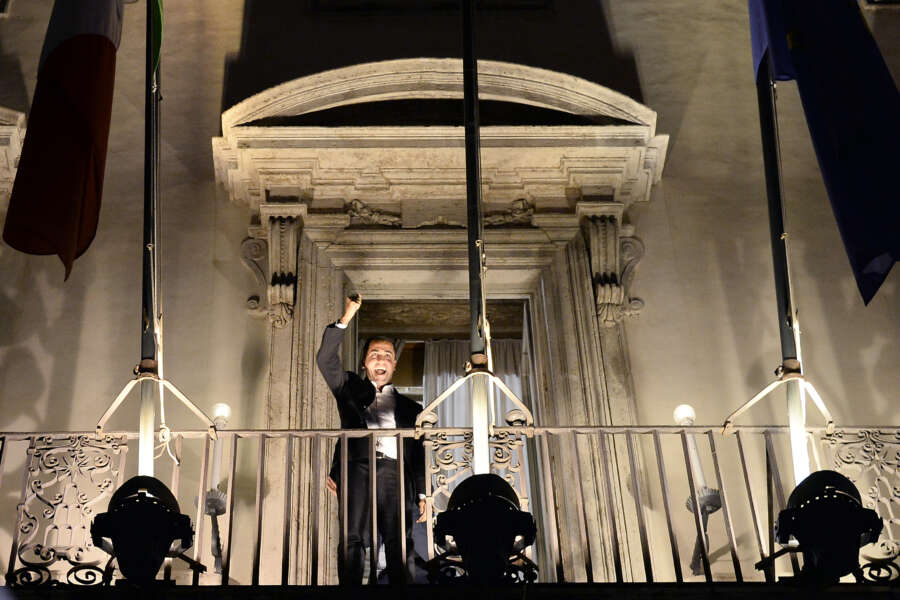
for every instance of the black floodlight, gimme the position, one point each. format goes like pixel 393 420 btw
pixel 826 516
pixel 142 522
pixel 488 528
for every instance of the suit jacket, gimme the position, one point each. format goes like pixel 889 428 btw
pixel 354 395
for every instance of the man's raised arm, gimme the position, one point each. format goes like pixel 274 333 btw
pixel 328 358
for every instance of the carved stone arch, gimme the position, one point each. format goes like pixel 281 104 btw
pixel 437 78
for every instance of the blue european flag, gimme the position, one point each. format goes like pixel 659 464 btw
pixel 852 109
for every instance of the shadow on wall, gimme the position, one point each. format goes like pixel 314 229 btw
pixel 40 330
pixel 569 36
pixel 13 93
pixel 38 341
pixel 865 349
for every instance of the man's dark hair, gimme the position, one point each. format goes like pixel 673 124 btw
pixel 377 338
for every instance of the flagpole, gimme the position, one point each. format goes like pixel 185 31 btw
pixel 787 327
pixel 149 349
pixel 480 364
pixel 149 372
pixel 478 333
pixel 790 372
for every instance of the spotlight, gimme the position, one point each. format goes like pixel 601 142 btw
pixel 488 529
pixel 142 522
pixel 826 516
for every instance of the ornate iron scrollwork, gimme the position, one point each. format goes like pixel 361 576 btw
pixel 870 458
pixel 68 479
pixel 450 462
pixel 883 568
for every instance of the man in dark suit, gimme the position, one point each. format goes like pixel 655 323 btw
pixel 373 403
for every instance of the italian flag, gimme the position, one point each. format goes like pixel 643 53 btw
pixel 55 201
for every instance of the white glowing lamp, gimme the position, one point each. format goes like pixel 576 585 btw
pixel 221 414
pixel 684 414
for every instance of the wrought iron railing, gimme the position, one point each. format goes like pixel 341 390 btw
pixel 609 501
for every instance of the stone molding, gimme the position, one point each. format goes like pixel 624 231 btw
pixel 429 78
pixel 409 170
pixel 614 253
pixel 12 135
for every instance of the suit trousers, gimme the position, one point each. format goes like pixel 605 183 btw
pixel 400 569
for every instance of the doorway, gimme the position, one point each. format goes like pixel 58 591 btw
pixel 432 339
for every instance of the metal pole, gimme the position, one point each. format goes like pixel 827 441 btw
pixel 473 186
pixel 148 301
pixel 790 355
pixel 477 308
pixel 147 420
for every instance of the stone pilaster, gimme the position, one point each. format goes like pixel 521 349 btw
pixel 271 252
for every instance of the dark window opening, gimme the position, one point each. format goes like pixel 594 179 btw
pixel 432 112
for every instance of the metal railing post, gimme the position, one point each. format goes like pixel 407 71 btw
pixel 286 519
pixel 257 529
pixel 401 499
pixel 695 496
pixel 315 512
pixel 757 526
pixel 201 502
pixel 549 506
pixel 176 482
pixel 663 479
pixel 610 511
pixel 373 507
pixel 639 508
pixel 582 517
pixel 727 516
pixel 229 502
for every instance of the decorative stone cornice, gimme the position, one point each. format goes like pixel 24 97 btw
pixel 614 254
pixel 409 168
pixel 12 135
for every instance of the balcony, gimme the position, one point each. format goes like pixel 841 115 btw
pixel 680 510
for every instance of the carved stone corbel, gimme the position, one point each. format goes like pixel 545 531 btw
pixel 614 254
pixel 271 254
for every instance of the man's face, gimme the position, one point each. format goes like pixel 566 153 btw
pixel 380 362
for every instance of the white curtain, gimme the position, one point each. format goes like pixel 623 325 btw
pixel 445 363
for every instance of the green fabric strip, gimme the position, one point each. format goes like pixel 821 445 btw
pixel 157 31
